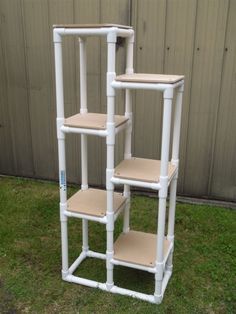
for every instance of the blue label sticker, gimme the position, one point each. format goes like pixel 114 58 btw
pixel 63 180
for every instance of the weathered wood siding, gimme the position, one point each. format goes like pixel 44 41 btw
pixel 191 37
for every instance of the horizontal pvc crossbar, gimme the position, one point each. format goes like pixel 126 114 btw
pixel 102 133
pixel 77 262
pixel 68 129
pixel 94 31
pixel 114 289
pixel 90 253
pixel 149 86
pixel 102 220
pixel 148 185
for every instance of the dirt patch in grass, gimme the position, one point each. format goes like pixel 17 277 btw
pixel 6 300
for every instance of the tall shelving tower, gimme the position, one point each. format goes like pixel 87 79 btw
pixel 149 252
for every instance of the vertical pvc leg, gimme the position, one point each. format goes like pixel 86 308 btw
pixel 128 132
pixel 63 206
pixel 61 150
pixel 84 186
pixel 84 139
pixel 110 141
pixel 127 155
pixel 171 219
pixel 174 161
pixel 168 96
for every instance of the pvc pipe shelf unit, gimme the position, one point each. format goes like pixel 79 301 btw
pixel 144 251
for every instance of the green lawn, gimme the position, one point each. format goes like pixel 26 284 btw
pixel 204 274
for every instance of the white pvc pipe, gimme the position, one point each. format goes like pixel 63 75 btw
pixel 148 86
pixel 82 281
pixel 93 31
pixel 68 129
pixel 84 162
pixel 61 152
pixel 83 75
pixel 177 124
pixel 175 161
pixel 85 245
pixel 102 220
pixel 111 50
pixel 133 294
pixel 59 78
pixel 77 262
pixel 166 278
pixel 126 194
pixel 148 185
pixel 168 96
pixel 90 253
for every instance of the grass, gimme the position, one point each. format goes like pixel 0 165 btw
pixel 204 274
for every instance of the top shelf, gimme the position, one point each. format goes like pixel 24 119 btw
pixel 149 78
pixel 159 82
pixel 91 26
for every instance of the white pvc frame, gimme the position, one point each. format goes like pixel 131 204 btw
pixel 163 267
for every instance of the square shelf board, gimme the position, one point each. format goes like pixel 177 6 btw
pixel 141 169
pixel 149 78
pixel 138 247
pixel 93 202
pixel 95 121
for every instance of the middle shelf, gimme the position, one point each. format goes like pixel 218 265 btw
pixel 93 202
pixel 95 121
pixel 141 172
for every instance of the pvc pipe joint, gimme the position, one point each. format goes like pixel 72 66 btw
pixel 110 78
pixel 60 134
pixel 109 175
pixel 168 93
pixel 56 36
pixel 112 35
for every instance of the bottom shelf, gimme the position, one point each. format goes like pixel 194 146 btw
pixel 138 248
pixel 93 202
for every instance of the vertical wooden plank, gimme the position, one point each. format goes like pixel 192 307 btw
pixel 179 46
pixel 89 12
pixel 208 55
pixel 62 12
pixel 13 43
pixel 149 20
pixel 37 42
pixel 224 169
pixel 6 155
pixel 116 12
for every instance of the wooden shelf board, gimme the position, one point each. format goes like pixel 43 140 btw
pixel 138 248
pixel 149 78
pixel 140 169
pixel 106 25
pixel 93 202
pixel 95 121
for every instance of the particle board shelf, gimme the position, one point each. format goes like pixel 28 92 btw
pixel 149 78
pixel 95 121
pixel 137 247
pixel 93 202
pixel 106 25
pixel 141 169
